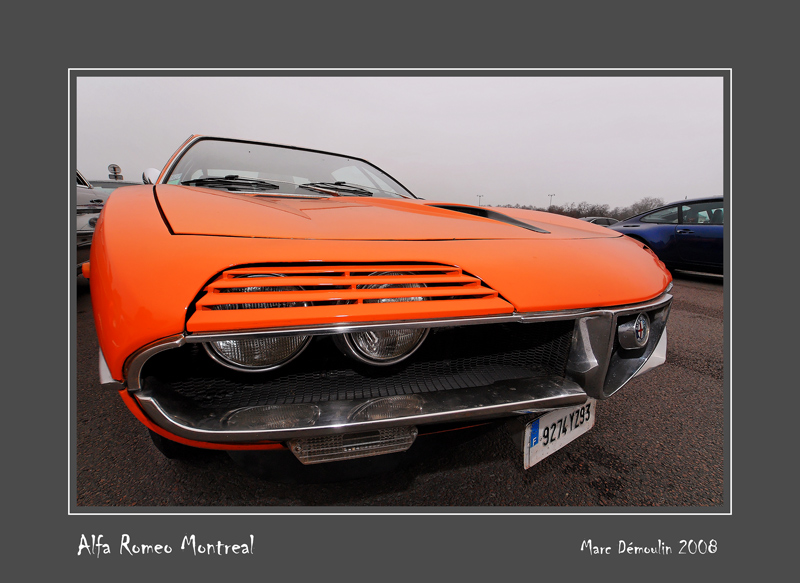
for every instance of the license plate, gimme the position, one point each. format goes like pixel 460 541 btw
pixel 555 429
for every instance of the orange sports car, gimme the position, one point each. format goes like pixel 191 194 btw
pixel 253 296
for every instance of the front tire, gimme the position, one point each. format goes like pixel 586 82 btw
pixel 171 449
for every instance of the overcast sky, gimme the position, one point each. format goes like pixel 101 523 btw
pixel 510 139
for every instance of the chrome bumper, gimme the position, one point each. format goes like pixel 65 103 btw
pixel 500 399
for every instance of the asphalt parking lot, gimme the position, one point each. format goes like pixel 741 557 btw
pixel 659 442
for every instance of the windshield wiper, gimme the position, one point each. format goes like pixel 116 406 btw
pixel 338 187
pixel 232 182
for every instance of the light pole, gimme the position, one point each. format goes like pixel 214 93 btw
pixel 550 202
pixel 480 196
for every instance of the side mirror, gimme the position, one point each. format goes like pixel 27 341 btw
pixel 150 176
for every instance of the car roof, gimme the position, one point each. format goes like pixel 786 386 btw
pixel 110 183
pixel 684 201
pixel 698 199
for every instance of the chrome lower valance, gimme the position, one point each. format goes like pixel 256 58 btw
pixel 283 422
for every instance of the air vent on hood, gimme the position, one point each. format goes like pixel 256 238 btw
pixel 489 214
pixel 315 293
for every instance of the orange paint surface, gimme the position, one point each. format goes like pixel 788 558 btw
pixel 144 280
pixel 194 210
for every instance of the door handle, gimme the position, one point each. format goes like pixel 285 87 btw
pixel 684 231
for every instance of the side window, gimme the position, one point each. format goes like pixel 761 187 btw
pixel 702 213
pixel 667 215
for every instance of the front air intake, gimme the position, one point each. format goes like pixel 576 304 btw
pixel 490 214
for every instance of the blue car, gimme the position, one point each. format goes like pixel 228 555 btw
pixel 685 235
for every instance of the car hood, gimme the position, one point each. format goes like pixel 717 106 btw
pixel 203 211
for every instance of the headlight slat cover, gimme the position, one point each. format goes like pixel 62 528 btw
pixel 272 296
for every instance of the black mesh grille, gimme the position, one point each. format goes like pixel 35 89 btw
pixel 452 358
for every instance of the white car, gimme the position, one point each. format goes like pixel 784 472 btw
pixel 87 210
pixel 90 199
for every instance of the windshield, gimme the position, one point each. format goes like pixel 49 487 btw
pixel 280 171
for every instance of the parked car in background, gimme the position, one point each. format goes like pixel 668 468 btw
pixel 87 210
pixel 685 235
pixel 106 187
pixel 605 221
pixel 90 199
pixel 253 296
pixel 86 219
pixel 87 193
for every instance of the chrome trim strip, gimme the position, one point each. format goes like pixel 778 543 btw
pixel 190 141
pixel 133 367
pixel 620 367
pixel 106 379
pixel 349 327
pixel 658 357
pixel 496 400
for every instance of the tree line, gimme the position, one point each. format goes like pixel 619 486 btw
pixel 586 209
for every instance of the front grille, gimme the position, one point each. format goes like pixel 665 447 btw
pixel 450 359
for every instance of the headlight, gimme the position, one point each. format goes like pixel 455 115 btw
pixel 257 354
pixel 389 346
pixel 382 347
